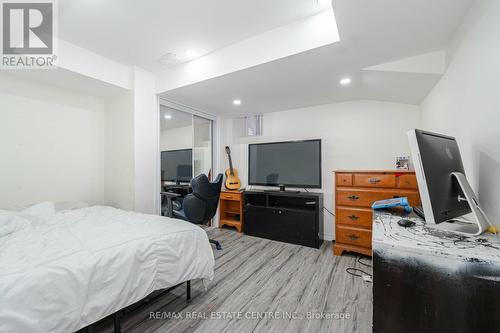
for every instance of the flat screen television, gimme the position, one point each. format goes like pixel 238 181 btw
pixel 292 163
pixel 177 165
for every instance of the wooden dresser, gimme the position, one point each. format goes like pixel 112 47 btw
pixel 355 191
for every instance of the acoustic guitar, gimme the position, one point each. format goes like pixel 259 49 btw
pixel 232 180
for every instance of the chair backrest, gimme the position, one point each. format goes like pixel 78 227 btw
pixel 201 205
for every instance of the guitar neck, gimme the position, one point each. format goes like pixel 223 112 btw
pixel 230 165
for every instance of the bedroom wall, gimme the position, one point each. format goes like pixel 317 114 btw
pixel 466 102
pixel 146 167
pixel 119 166
pixel 355 135
pixel 51 144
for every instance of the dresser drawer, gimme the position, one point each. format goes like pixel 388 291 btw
pixel 359 217
pixel 407 181
pixel 365 197
pixel 375 180
pixel 344 179
pixel 353 236
pixel 230 196
pixel 360 197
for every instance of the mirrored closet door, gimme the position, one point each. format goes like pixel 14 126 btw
pixel 202 146
pixel 186 150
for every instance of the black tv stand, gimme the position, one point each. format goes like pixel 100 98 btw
pixel 282 190
pixel 284 216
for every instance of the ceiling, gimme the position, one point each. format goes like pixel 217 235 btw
pixel 372 32
pixel 140 32
pixel 66 79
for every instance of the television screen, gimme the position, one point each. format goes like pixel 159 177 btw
pixel 177 165
pixel 293 163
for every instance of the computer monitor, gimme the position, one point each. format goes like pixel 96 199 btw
pixel 445 193
pixel 177 165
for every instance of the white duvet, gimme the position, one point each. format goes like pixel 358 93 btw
pixel 63 271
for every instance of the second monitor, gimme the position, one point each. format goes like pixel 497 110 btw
pixel 292 163
pixel 177 166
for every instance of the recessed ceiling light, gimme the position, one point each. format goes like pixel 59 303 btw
pixel 237 102
pixel 167 116
pixel 190 54
pixel 345 81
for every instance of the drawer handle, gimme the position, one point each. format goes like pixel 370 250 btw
pixel 353 237
pixel 353 197
pixel 374 180
pixel 353 217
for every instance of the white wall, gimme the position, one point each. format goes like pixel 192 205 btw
pixel 119 152
pixel 146 129
pixel 51 144
pixel 132 162
pixel 355 135
pixel 466 102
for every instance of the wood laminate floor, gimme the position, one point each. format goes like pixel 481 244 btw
pixel 263 286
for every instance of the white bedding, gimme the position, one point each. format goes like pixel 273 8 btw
pixel 63 271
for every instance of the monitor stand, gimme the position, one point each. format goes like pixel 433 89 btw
pixel 281 190
pixel 480 222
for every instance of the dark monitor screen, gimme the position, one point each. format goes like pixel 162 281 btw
pixel 293 163
pixel 440 156
pixel 177 165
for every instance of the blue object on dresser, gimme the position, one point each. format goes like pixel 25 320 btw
pixel 394 202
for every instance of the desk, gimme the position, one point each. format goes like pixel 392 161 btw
pixel 179 191
pixel 433 281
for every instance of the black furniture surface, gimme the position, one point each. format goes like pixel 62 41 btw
pixel 433 281
pixel 172 196
pixel 295 218
pixel 201 204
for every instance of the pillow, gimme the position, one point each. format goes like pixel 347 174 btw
pixel 70 205
pixel 39 214
pixel 12 224
pixel 39 209
pixel 5 216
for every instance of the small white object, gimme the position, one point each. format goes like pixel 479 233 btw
pixel 253 125
pixel 190 54
pixel 237 102
pixel 346 81
pixel 167 116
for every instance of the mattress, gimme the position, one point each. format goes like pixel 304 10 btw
pixel 61 272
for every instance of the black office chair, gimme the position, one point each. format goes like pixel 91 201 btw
pixel 201 204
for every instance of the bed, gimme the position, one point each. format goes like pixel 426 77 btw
pixel 62 271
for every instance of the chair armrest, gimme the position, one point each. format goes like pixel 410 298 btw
pixel 170 196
